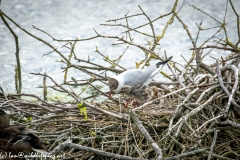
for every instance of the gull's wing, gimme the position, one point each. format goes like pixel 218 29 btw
pixel 133 77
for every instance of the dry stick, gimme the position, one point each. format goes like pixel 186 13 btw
pixel 91 80
pixel 178 129
pixel 44 108
pixel 213 36
pixel 147 59
pixel 147 103
pixel 19 73
pixel 229 76
pixel 119 58
pixel 188 64
pixel 48 116
pixel 126 137
pixel 177 111
pixel 227 58
pixel 44 88
pixel 54 39
pixel 23 111
pixel 210 46
pixel 155 42
pixel 211 49
pixel 135 141
pixel 179 90
pixel 199 29
pixel 238 22
pixel 183 147
pixel 113 63
pixel 188 126
pixel 15 107
pixel 198 9
pixel 86 71
pixel 60 138
pixel 38 98
pixel 237 63
pixel 100 68
pixel 110 69
pixel 16 79
pixel 74 82
pixel 204 134
pixel 106 95
pixel 225 30
pixel 86 61
pixel 191 153
pixel 56 89
pixel 114 20
pixel 173 9
pixel 169 22
pixel 152 28
pixel 220 157
pixel 37 38
pixel 186 28
pixel 146 134
pixel 210 120
pixel 194 111
pixel 206 92
pixel 205 76
pixel 128 33
pixel 224 19
pixel 230 123
pixel 84 102
pixel 68 143
pixel 201 64
pixel 213 144
pixel 235 70
pixel 131 43
pixel 175 75
pixel 69 58
pixel 130 29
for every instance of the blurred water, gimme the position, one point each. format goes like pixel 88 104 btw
pixel 74 18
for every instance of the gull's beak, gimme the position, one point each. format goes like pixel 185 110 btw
pixel 110 93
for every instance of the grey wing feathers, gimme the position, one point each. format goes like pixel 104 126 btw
pixel 135 77
pixel 143 76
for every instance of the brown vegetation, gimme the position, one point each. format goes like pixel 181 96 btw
pixel 195 118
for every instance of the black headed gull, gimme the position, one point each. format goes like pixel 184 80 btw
pixel 134 77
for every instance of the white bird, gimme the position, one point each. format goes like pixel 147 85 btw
pixel 135 77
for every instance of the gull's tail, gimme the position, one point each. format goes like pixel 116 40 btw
pixel 163 62
pixel 160 66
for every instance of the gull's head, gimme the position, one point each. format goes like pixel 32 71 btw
pixel 113 84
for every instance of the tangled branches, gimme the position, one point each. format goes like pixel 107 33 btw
pixel 196 115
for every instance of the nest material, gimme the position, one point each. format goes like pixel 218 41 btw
pixel 197 120
pixel 194 119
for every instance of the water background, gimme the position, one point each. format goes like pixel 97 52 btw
pixel 77 18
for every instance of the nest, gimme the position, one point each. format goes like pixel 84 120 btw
pixel 195 116
pixel 196 120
